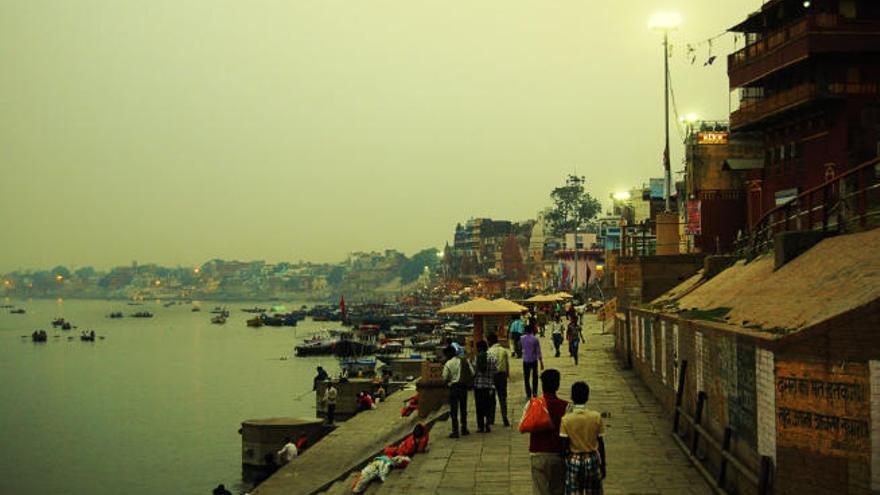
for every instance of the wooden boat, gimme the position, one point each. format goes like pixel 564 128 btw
pixel 358 366
pixel 218 320
pixel 255 322
pixel 117 314
pixel 254 310
pixel 19 311
pixel 39 336
pixel 142 314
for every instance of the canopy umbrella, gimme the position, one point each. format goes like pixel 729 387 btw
pixel 481 306
pixel 543 298
pixel 564 295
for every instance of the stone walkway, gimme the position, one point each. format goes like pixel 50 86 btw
pixel 642 458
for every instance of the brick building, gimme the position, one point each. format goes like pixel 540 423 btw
pixel 808 82
pixel 783 367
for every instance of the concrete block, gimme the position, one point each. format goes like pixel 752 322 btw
pixel 789 245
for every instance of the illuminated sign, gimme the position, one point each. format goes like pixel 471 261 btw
pixel 712 137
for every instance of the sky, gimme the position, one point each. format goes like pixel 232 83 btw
pixel 174 131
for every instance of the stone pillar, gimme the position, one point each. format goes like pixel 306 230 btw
pixel 667 233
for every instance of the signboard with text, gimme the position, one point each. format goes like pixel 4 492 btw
pixel 823 410
pixel 712 137
pixel 694 225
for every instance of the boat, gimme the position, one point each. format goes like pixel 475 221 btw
pixel 254 310
pixel 142 314
pixel 218 310
pixel 255 322
pixel 319 344
pixel 116 314
pixel 39 336
pixel 87 337
pixel 196 310
pixel 390 346
pixel 358 366
pixel 57 322
pixel 271 321
pixel 66 326
pixel 218 320
pixel 19 311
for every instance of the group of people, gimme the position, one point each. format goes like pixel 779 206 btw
pixel 570 457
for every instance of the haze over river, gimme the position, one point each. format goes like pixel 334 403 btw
pixel 152 409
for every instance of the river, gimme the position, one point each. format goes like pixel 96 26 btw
pixel 154 408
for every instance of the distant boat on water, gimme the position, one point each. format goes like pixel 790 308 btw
pixel 254 310
pixel 142 314
pixel 255 322
pixel 218 320
pixel 19 311
pixel 116 314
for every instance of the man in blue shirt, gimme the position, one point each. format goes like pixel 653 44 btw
pixel 516 331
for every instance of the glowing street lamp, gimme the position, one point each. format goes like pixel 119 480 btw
pixel 158 283
pixel 197 270
pixel 666 22
pixel 622 196
pixel 59 277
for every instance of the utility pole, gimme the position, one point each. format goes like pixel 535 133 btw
pixel 666 167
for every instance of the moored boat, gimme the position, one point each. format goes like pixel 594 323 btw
pixel 142 314
pixel 255 322
pixel 218 320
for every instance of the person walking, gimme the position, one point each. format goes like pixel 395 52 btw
pixel 517 327
pixel 542 321
pixel 502 372
pixel 484 372
pixel 574 336
pixel 582 431
pixel 457 374
pixel 546 447
pixel 330 394
pixel 531 358
pixel 556 333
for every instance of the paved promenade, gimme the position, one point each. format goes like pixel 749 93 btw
pixel 642 459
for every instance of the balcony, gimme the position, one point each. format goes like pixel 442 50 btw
pixel 751 112
pixel 808 35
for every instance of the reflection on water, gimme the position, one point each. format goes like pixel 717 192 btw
pixel 153 408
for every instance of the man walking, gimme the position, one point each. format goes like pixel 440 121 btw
pixel 581 432
pixel 484 371
pixel 556 333
pixel 517 327
pixel 531 356
pixel 457 373
pixel 502 371
pixel 545 447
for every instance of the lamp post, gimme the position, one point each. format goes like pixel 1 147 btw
pixel 666 22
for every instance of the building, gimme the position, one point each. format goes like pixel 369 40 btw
pixel 786 387
pixel 714 209
pixel 808 81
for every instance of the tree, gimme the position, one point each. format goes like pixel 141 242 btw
pixel 337 273
pixel 413 267
pixel 572 208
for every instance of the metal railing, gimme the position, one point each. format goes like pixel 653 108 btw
pixel 793 31
pixel 848 202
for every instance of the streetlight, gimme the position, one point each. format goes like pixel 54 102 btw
pixel 622 195
pixel 666 22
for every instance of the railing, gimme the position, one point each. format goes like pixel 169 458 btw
pixel 772 41
pixel 850 201
pixel 753 110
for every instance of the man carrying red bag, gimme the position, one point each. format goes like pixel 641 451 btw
pixel 545 445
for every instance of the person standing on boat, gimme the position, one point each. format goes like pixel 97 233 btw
pixel 330 402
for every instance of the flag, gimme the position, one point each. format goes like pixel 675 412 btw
pixel 342 306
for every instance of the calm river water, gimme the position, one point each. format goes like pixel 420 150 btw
pixel 153 409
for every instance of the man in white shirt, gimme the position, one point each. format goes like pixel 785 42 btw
pixel 452 375
pixel 288 452
pixel 330 401
pixel 502 371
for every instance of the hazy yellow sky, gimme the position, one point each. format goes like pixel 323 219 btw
pixel 175 131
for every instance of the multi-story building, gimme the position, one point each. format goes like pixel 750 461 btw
pixel 713 212
pixel 808 81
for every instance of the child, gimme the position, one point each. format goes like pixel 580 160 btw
pixel 581 431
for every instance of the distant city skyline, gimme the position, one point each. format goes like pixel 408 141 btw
pixel 182 132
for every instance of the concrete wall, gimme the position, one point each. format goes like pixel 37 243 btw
pixel 641 279
pixel 810 402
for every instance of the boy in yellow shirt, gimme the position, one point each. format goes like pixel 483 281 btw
pixel 581 431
